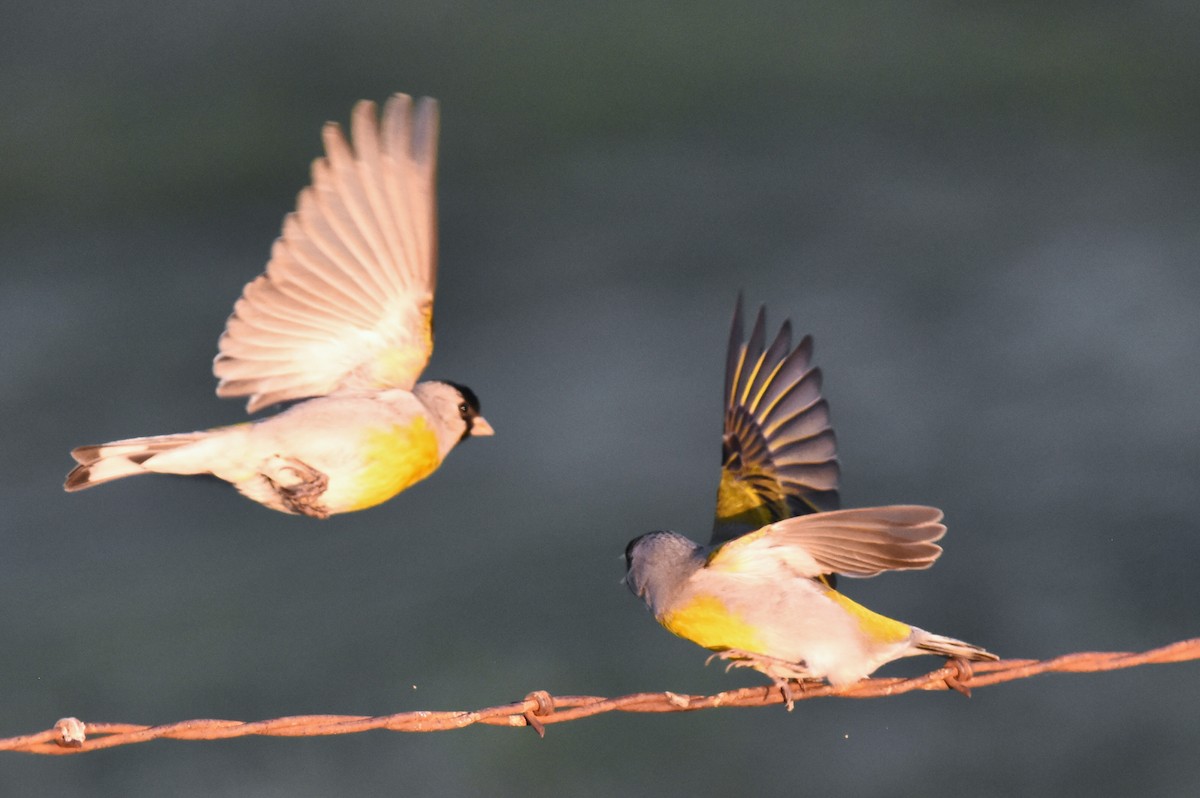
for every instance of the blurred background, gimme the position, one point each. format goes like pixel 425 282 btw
pixel 986 216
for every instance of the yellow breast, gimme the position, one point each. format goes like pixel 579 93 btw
pixel 706 621
pixel 396 457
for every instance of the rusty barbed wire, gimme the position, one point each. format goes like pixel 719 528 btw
pixel 540 709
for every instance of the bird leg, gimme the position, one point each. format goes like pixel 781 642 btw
pixel 784 673
pixel 299 485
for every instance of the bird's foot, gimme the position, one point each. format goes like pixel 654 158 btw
pixel 771 666
pixel 786 675
pixel 299 485
pixel 785 689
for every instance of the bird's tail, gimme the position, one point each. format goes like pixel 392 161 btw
pixel 927 643
pixel 109 461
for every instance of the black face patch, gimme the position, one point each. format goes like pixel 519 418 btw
pixel 468 409
pixel 467 394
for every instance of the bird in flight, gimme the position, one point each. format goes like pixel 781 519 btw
pixel 341 324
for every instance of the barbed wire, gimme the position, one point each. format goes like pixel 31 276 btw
pixel 540 709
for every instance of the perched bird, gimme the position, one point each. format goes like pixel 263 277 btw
pixel 762 593
pixel 343 319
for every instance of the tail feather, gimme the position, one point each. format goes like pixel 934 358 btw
pixel 928 643
pixel 109 461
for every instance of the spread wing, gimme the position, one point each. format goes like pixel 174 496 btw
pixel 779 453
pixel 346 301
pixel 860 542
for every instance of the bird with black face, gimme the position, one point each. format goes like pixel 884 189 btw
pixel 341 325
pixel 762 593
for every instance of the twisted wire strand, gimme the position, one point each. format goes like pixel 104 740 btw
pixel 540 709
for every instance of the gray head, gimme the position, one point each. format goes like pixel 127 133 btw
pixel 457 407
pixel 657 563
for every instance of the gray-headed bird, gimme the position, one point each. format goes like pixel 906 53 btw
pixel 342 319
pixel 762 593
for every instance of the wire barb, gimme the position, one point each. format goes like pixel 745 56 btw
pixel 540 709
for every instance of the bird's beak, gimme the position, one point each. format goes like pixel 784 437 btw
pixel 481 428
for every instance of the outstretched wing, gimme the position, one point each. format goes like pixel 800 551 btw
pixel 346 301
pixel 860 542
pixel 779 453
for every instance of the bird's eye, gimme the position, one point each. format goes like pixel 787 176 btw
pixel 464 409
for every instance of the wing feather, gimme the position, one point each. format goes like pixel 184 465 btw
pixel 346 301
pixel 779 452
pixel 860 542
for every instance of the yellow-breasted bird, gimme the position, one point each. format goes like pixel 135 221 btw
pixel 343 319
pixel 762 593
